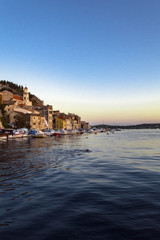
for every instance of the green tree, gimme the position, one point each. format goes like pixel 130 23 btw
pixel 21 122
pixel 5 125
pixel 2 107
pixel 4 117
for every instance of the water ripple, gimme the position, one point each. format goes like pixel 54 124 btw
pixel 81 187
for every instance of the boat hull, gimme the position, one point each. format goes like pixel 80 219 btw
pixel 39 136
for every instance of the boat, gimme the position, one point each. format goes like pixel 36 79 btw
pixel 38 134
pixel 112 131
pixel 21 132
pixel 17 134
pixel 62 132
pixel 73 132
pixel 6 134
pixel 59 132
pixel 49 132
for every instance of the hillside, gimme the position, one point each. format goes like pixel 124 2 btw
pixel 18 89
pixel 10 86
pixel 139 126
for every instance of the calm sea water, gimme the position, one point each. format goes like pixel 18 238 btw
pixel 54 189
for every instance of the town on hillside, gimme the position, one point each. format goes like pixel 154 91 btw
pixel 20 109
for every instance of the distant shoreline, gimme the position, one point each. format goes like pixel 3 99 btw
pixel 138 126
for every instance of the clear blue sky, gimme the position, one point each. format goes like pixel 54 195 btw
pixel 97 58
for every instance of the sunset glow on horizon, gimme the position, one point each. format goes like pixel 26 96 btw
pixel 97 59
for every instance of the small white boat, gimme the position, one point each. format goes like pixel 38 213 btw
pixel 59 132
pixel 62 132
pixel 39 134
pixel 112 131
pixel 74 131
pixel 19 133
pixel 49 132
pixel 91 131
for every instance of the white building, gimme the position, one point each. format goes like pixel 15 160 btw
pixel 26 97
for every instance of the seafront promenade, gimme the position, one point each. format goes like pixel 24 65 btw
pixel 11 134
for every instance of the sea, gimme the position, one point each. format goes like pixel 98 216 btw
pixel 81 187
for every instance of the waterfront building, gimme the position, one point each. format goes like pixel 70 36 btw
pixel 68 124
pixel 75 125
pixel 36 121
pixel 55 113
pixel 48 116
pixel 78 119
pixel 63 122
pixel 85 125
pixel 60 122
pixel 40 116
pixel 75 120
pixel 47 112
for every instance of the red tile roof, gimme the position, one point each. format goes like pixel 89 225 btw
pixel 17 97
pixel 63 117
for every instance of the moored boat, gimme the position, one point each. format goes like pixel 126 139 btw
pixel 49 132
pixel 59 132
pixel 39 134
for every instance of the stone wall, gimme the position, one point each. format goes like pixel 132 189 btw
pixel 7 95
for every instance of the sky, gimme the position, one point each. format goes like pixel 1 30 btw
pixel 99 59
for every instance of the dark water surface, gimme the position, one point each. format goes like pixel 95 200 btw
pixel 54 189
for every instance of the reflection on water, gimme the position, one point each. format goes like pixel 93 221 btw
pixel 55 188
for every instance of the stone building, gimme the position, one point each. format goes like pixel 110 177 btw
pixel 8 96
pixel 18 100
pixel 10 106
pixel 55 113
pixel 68 124
pixel 78 119
pixel 75 120
pixel 26 100
pixel 36 121
pixel 12 111
pixel 60 123
pixel 12 117
pixel 63 122
pixel 85 125
pixel 48 115
pixel 47 112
